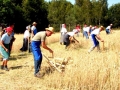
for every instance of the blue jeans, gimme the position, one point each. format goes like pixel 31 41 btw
pixel 95 43
pixel 85 34
pixel 35 45
pixel 37 65
pixel 107 31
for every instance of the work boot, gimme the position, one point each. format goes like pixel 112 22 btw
pixel 6 68
pixel 2 67
pixel 61 43
pixel 38 75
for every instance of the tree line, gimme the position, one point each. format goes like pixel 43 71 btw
pixel 56 12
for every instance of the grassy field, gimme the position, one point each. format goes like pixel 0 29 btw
pixel 94 71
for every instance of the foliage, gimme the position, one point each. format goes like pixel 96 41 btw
pixel 56 12
pixel 35 10
pixel 6 11
pixel 59 12
pixel 114 15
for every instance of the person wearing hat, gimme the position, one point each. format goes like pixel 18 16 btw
pixel 33 29
pixel 4 47
pixel 62 32
pixel 26 39
pixel 86 31
pixel 69 37
pixel 95 37
pixel 108 29
pixel 11 25
pixel 37 41
pixel 78 28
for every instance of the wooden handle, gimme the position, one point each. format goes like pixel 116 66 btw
pixel 103 46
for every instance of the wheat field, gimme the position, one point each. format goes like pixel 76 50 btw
pixel 94 71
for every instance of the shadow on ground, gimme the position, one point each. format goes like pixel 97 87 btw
pixel 19 56
pixel 47 70
pixel 1 72
pixel 16 67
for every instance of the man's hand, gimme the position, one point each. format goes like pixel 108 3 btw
pixel 102 40
pixel 52 54
pixel 50 51
pixel 6 49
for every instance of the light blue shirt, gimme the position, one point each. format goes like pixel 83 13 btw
pixel 6 38
pixel 34 29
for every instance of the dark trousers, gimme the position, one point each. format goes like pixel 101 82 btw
pixel 11 43
pixel 107 31
pixel 25 45
pixel 66 40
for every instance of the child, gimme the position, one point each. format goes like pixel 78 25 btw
pixel 4 47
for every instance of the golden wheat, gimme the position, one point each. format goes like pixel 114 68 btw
pixel 94 71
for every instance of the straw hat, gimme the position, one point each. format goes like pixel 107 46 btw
pixel 50 29
pixel 102 27
pixel 34 23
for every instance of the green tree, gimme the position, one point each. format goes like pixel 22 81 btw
pixel 100 9
pixel 79 2
pixel 35 10
pixel 59 12
pixel 86 11
pixel 6 11
pixel 114 15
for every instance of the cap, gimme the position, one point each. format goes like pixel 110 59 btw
pixel 9 29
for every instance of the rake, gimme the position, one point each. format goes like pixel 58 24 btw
pixel 52 64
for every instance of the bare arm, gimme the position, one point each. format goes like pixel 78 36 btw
pixel 32 34
pixel 98 37
pixel 45 46
pixel 111 31
pixel 75 39
pixel 1 43
pixel 2 33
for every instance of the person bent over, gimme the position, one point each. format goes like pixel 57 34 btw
pixel 109 29
pixel 37 41
pixel 69 37
pixel 95 37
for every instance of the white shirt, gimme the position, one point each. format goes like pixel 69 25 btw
pixel 33 28
pixel 96 31
pixel 26 34
pixel 63 30
pixel 86 29
pixel 71 33
pixel 109 27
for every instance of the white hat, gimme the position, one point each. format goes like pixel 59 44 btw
pixel 28 27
